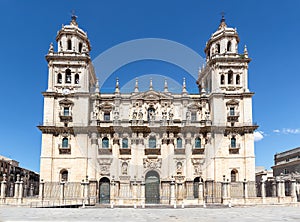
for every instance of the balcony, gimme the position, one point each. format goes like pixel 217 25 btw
pixel 125 151
pixel 64 149
pixel 104 151
pixel 233 116
pixel 198 150
pixel 179 151
pixel 65 116
pixel 234 149
pixel 153 150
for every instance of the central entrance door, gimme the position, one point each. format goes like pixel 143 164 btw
pixel 104 191
pixel 152 184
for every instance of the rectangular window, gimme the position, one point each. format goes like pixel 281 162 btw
pixel 194 116
pixel 231 111
pixel 66 111
pixel 106 116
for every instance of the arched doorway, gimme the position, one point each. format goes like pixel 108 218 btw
pixel 104 190
pixel 152 184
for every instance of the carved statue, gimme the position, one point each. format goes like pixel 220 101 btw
pixel 124 168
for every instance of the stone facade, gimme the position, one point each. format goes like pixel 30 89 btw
pixel 147 147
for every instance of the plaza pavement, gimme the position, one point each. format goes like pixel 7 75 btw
pixel 234 214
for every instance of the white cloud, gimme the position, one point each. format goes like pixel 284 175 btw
pixel 276 131
pixel 291 131
pixel 258 135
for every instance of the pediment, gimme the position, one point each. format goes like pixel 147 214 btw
pixel 194 106
pixel 66 102
pixel 152 96
pixel 232 102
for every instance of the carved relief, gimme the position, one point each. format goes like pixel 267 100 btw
pixel 104 165
pixel 152 163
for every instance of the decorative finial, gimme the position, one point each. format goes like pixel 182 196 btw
pixel 151 86
pixel 184 86
pixel 166 86
pixel 74 18
pixel 97 86
pixel 136 88
pixel 117 90
pixel 245 52
pixel 203 91
pixel 222 22
pixel 51 48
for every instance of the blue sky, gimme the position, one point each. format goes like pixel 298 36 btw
pixel 270 29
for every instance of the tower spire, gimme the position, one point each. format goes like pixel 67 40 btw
pixel 74 18
pixel 117 90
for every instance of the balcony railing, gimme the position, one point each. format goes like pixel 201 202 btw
pixel 65 116
pixel 64 149
pixel 233 116
pixel 179 151
pixel 234 149
pixel 125 151
pixel 153 151
pixel 198 150
pixel 104 151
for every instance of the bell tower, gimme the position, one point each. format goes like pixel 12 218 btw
pixel 224 80
pixel 71 79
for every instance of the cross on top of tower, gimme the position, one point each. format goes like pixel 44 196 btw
pixel 74 18
pixel 223 23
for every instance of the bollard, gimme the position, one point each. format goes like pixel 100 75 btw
pixel 182 205
pixel 175 204
pixel 134 205
pixel 112 205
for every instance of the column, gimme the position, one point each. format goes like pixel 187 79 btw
pixel 41 189
pixel 112 192
pixel 278 188
pixel 85 185
pixel 17 187
pixel 225 197
pixel 180 191
pixel 245 189
pixel 172 192
pixel 20 197
pixel 282 184
pixel 31 190
pixel 134 193
pixel 262 190
pixel 62 191
pixel 274 187
pixel 200 193
pixel 293 190
pixel 143 194
pixel 3 187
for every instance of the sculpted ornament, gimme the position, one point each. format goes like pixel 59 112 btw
pixel 152 163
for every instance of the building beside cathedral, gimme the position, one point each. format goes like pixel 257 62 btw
pixel 150 146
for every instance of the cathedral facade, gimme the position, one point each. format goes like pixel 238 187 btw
pixel 150 146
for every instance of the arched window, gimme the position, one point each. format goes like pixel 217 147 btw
pixel 68 76
pixel 152 142
pixel 69 44
pixel 230 77
pixel 124 143
pixel 59 78
pixel 64 175
pixel 218 47
pixel 233 142
pixel 105 142
pixel 233 175
pixel 229 46
pixel 197 142
pixel 76 79
pixel 222 79
pixel 237 79
pixel 179 142
pixel 80 47
pixel 65 142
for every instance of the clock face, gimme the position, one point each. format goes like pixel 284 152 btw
pixel 66 91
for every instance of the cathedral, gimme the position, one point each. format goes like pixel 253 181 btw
pixel 146 147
